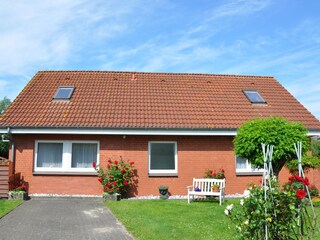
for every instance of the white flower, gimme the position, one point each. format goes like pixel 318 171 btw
pixel 226 212
pixel 241 202
pixel 229 207
pixel 246 222
pixel 246 193
pixel 239 228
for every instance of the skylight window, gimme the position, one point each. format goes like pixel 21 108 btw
pixel 254 96
pixel 64 93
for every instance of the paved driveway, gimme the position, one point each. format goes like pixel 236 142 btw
pixel 62 218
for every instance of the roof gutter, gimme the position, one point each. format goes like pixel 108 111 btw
pixel 125 131
pixel 132 131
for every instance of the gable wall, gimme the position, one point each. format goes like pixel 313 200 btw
pixel 195 155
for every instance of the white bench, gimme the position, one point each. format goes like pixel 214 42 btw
pixel 205 187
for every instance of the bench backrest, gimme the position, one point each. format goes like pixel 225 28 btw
pixel 205 184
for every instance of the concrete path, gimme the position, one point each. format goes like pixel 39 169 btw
pixel 62 218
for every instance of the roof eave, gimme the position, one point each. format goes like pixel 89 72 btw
pixel 123 131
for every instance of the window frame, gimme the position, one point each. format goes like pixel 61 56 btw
pixel 248 170
pixel 55 97
pixel 164 172
pixel 66 157
pixel 245 92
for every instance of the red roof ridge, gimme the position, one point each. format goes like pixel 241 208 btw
pixel 155 73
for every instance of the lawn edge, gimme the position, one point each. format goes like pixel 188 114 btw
pixel 11 210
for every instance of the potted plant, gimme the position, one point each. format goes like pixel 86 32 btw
pixel 163 190
pixel 18 193
pixel 215 187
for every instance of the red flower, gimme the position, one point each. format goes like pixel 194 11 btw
pixel 114 183
pixel 306 181
pixel 108 166
pixel 123 171
pixel 109 184
pixel 94 164
pixel 291 178
pixel 109 161
pixel 222 170
pixel 125 183
pixel 100 180
pixel 214 174
pixel 298 178
pixel 300 194
pixel 131 163
pixel 261 180
pixel 211 171
pixel 115 162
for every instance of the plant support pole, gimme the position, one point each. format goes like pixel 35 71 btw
pixel 265 166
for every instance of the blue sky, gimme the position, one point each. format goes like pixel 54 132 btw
pixel 271 37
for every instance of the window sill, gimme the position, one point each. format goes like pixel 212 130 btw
pixel 249 173
pixel 163 174
pixel 65 173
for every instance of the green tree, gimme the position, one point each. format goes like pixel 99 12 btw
pixel 275 131
pixel 4 146
pixel 4 104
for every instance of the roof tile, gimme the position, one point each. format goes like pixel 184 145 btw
pixel 150 100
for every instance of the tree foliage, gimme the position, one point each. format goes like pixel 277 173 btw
pixel 4 146
pixel 275 131
pixel 4 104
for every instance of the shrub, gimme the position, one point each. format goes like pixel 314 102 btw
pixel 284 211
pixel 314 192
pixel 214 174
pixel 117 176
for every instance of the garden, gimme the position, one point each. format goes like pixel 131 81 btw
pixel 269 210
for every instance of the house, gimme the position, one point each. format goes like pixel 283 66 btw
pixel 174 126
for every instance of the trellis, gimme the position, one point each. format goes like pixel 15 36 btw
pixel 268 174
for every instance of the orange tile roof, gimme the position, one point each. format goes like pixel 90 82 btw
pixel 150 100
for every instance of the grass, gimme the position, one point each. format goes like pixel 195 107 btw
pixel 175 219
pixel 6 206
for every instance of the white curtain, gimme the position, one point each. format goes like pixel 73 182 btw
pixel 241 163
pixel 49 155
pixel 83 154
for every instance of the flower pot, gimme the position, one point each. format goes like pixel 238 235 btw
pixel 215 188
pixel 163 191
pixel 111 197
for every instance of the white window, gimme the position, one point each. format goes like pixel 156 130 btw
pixel 163 158
pixel 243 167
pixel 66 156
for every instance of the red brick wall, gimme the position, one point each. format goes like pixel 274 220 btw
pixel 195 155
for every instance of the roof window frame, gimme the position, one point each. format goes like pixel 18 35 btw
pixel 246 93
pixel 55 97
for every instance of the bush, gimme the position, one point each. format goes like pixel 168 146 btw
pixel 214 174
pixel 314 192
pixel 284 211
pixel 117 176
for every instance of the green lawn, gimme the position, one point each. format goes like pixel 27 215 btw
pixel 175 219
pixel 6 206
